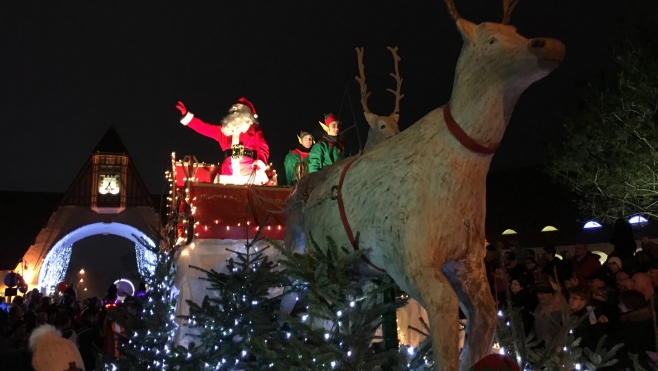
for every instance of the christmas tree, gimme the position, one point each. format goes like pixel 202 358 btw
pixel 236 327
pixel 343 311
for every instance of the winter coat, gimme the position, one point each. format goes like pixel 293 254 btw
pixel 89 339
pixel 636 331
pixel 584 267
pixel 326 151
pixel 556 265
pixel 252 139
pixel 526 302
pixel 294 157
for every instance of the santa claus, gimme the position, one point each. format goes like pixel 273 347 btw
pixel 241 139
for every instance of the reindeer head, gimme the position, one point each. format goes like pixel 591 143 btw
pixel 381 127
pixel 498 51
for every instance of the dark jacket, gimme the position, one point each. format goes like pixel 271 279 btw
pixel 89 340
pixel 526 302
pixel 636 331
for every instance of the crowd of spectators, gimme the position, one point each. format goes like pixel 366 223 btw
pixel 85 323
pixel 617 299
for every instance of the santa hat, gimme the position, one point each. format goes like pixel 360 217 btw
pixel 495 362
pixel 303 134
pixel 250 105
pixel 51 352
pixel 328 119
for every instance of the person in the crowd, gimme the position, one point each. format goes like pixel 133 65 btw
pixel 89 338
pixel 635 330
pixel 584 264
pixel 548 313
pixel 623 281
pixel 614 265
pixel 297 160
pixel 588 330
pixel 532 271
pixel 519 252
pixel 53 353
pixel 64 327
pixel 330 148
pixel 523 300
pixel 501 280
pixel 30 316
pixel 653 273
pixel 622 239
pixel 241 139
pixel 649 247
pixel 554 266
pixel 512 265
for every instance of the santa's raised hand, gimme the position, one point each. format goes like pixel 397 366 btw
pixel 181 107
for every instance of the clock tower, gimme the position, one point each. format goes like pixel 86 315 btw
pixel 109 182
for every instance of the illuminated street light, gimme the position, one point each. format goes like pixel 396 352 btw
pixel 82 271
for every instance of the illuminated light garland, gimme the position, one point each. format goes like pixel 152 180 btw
pixel 53 269
pixel 55 264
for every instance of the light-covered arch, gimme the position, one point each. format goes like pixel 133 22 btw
pixel 54 266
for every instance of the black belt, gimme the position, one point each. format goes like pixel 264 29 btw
pixel 239 151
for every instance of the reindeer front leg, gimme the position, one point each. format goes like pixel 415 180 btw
pixel 441 305
pixel 469 280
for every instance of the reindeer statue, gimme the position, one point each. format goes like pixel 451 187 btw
pixel 416 201
pixel 381 127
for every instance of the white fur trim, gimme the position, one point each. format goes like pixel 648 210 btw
pixel 187 118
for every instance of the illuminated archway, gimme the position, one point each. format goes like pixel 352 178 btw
pixel 54 266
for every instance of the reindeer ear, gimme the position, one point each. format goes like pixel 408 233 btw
pixel 466 29
pixel 395 117
pixel 371 118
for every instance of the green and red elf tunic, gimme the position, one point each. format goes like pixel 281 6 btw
pixel 327 150
pixel 296 161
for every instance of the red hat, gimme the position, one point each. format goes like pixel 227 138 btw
pixel 329 118
pixel 247 103
pixel 496 362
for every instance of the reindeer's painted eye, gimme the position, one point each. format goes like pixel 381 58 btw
pixel 382 127
pixel 492 40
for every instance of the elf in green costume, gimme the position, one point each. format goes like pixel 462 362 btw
pixel 330 148
pixel 296 161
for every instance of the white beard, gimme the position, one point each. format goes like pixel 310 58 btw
pixel 236 123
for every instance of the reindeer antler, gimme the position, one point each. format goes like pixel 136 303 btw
pixel 508 7
pixel 452 9
pixel 398 79
pixel 362 80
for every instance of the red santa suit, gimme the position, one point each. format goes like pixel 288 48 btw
pixel 244 145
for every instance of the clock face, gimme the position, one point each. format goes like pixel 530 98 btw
pixel 109 184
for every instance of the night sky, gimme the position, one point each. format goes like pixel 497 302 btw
pixel 70 69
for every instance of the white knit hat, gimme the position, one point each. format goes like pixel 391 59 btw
pixel 51 352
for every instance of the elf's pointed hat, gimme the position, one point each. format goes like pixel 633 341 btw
pixel 328 119
pixel 303 134
pixel 250 105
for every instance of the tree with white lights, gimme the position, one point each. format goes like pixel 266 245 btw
pixel 610 150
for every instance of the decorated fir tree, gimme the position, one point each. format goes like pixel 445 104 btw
pixel 236 326
pixel 343 309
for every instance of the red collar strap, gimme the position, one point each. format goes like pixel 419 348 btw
pixel 463 138
pixel 343 215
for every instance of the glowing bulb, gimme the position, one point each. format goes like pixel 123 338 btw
pixel 82 271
